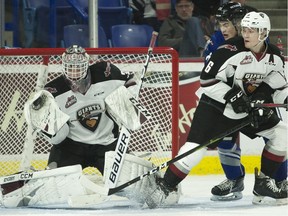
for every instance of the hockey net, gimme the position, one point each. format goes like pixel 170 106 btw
pixel 157 140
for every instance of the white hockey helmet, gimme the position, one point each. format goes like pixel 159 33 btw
pixel 258 20
pixel 75 63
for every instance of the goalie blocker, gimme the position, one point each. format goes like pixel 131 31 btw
pixel 125 109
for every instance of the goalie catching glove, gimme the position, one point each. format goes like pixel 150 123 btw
pixel 43 114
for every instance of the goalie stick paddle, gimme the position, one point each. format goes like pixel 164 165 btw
pixel 177 158
pixel 125 134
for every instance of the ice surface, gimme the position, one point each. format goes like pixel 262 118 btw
pixel 195 201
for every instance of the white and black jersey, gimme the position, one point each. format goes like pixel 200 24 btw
pixel 89 123
pixel 233 64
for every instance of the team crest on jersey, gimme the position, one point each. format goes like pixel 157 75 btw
pixel 230 47
pixel 107 71
pixel 70 101
pixel 251 81
pixel 89 116
pixel 247 60
pixel 51 90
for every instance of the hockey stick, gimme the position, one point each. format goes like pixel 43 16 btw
pixel 125 134
pixel 179 157
pixel 269 105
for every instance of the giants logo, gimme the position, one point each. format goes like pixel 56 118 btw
pixel 251 81
pixel 89 117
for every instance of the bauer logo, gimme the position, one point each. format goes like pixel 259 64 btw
pixel 124 139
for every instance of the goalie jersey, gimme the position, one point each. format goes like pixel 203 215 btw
pixel 89 122
pixel 231 64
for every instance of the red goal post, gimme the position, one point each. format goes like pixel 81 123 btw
pixel 157 140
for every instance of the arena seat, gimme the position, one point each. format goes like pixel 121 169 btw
pixel 110 16
pixel 131 35
pixel 79 34
pixel 37 30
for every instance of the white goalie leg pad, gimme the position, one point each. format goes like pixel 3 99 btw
pixel 43 114
pixel 125 109
pixel 133 167
pixel 44 188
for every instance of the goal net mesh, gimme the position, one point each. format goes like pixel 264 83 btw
pixel 157 139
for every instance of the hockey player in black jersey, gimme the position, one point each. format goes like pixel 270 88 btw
pixel 242 71
pixel 229 16
pixel 80 93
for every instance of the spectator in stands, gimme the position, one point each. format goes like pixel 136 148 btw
pixel 182 31
pixel 144 12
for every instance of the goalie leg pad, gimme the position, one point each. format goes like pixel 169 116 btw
pixel 132 167
pixel 46 190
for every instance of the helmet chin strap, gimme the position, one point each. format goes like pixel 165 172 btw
pixel 260 40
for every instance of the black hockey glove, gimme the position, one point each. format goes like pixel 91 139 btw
pixel 239 101
pixel 260 116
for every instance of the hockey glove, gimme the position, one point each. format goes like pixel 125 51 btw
pixel 239 101
pixel 262 116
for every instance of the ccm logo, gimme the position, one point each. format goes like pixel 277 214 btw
pixel 139 106
pixel 24 176
pixel 238 95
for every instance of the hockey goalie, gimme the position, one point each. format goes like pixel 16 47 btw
pixel 80 113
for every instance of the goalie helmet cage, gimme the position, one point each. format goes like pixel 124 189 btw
pixel 157 140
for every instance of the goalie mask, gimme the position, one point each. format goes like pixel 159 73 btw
pixel 75 62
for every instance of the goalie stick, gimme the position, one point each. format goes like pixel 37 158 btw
pixel 125 134
pixel 179 157
pixel 30 133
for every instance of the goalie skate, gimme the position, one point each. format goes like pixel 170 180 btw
pixel 266 191
pixel 228 190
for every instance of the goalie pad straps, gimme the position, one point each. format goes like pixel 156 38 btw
pixel 43 114
pixel 132 167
